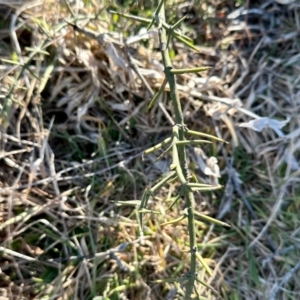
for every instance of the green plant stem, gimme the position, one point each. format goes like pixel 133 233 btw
pixel 189 196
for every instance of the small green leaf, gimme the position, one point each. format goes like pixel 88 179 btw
pixel 172 53
pixel 158 146
pixel 149 211
pixel 13 62
pixel 192 142
pixel 197 133
pixel 165 152
pixel 211 220
pixel 187 43
pixel 204 264
pixel 36 50
pixel 200 187
pixel 176 25
pixel 191 70
pixel 160 91
pixel 207 285
pixel 115 18
pixel 177 198
pixel 162 182
pixel 128 202
pixel 14 56
pixel 176 279
pixel 174 221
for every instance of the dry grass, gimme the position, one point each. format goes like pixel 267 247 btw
pixel 74 123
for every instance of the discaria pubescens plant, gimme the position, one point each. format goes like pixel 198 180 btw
pixel 176 144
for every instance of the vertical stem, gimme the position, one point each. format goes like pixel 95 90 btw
pixel 193 246
pixel 189 196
